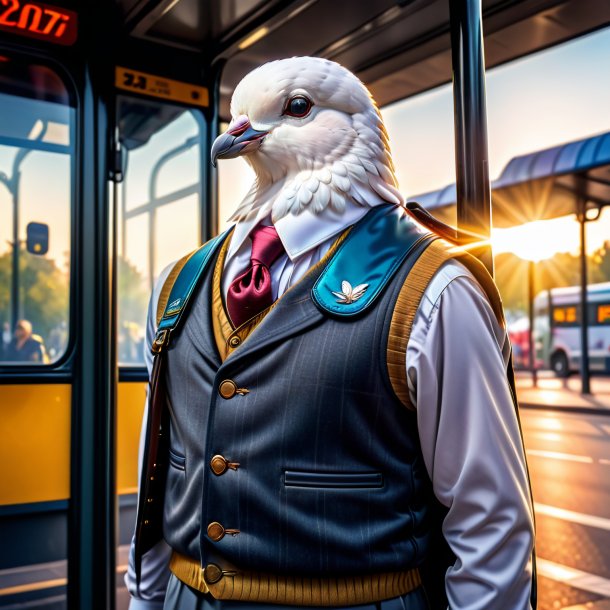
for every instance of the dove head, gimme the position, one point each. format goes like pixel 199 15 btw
pixel 314 137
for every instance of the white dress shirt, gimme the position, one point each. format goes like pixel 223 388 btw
pixel 456 368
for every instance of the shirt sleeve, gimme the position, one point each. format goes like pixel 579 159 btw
pixel 471 442
pixel 155 563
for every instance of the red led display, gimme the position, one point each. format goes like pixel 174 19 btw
pixel 37 20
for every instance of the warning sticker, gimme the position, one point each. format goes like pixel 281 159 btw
pixel 159 86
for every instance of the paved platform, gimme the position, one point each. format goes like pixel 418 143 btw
pixel 552 392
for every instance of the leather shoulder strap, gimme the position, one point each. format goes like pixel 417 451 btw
pixel 367 259
pixel 409 299
pixel 168 285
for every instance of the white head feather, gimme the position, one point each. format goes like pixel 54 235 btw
pixel 338 153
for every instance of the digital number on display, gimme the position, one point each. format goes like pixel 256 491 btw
pixel 38 20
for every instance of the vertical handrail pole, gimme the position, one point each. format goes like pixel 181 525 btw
pixel 16 306
pixel 210 224
pixel 471 157
pixel 585 374
pixel 532 347
pixel 92 537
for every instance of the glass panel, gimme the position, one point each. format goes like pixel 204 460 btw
pixel 36 155
pixel 159 204
pixel 36 189
pixel 235 177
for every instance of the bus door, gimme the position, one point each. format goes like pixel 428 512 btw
pixel 37 185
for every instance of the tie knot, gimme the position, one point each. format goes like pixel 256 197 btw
pixel 266 246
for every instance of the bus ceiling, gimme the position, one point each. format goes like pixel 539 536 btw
pixel 398 48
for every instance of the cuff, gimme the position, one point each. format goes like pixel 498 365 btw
pixel 143 604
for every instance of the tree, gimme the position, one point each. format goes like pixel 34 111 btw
pixel 561 270
pixel 43 291
pixel 132 304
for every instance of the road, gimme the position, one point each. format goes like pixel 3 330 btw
pixel 569 461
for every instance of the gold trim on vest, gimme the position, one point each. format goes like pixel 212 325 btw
pixel 292 590
pixel 409 298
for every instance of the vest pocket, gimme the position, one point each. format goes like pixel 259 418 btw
pixel 177 461
pixel 327 480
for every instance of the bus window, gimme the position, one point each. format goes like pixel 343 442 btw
pixel 235 177
pixel 564 316
pixel 159 204
pixel 603 314
pixel 559 315
pixel 36 157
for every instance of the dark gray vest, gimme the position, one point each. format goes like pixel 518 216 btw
pixel 330 480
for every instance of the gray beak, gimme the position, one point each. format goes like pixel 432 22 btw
pixel 239 139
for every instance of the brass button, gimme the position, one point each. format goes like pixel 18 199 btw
pixel 234 341
pixel 218 464
pixel 227 389
pixel 216 531
pixel 212 573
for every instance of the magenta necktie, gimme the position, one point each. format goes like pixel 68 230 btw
pixel 251 292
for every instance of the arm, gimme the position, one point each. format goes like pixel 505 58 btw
pixel 471 443
pixel 155 563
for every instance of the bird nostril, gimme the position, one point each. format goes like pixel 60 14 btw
pixel 239 125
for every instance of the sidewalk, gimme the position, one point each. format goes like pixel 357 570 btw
pixel 552 392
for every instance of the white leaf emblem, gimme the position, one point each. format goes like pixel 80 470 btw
pixel 348 294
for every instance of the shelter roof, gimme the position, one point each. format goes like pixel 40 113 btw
pixel 542 184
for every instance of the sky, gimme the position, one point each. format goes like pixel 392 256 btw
pixel 548 98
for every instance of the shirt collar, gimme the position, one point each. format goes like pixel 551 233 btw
pixel 302 233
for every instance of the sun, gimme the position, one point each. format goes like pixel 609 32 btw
pixel 538 240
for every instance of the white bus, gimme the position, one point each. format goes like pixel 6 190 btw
pixel 557 328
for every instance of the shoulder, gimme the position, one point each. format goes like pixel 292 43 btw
pixel 445 279
pixel 34 343
pixel 154 298
pixel 460 309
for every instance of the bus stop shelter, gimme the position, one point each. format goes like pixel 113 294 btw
pixel 572 178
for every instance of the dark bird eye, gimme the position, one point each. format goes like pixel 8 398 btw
pixel 298 106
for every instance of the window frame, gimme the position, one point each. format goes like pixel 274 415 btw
pixel 60 370
pixel 137 372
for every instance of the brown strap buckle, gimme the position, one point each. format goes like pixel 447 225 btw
pixel 161 341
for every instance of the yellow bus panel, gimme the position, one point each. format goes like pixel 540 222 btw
pixel 35 446
pixel 131 399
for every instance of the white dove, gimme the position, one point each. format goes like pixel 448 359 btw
pixel 314 137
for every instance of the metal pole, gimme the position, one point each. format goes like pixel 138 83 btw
pixel 92 511
pixel 210 214
pixel 532 347
pixel 121 193
pixel 152 246
pixel 584 318
pixel 471 158
pixel 16 307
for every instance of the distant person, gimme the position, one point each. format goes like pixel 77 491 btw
pixel 6 333
pixel 5 339
pixel 25 346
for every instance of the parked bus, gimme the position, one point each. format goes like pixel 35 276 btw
pixel 557 328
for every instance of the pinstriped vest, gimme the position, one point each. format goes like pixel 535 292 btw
pixel 330 478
